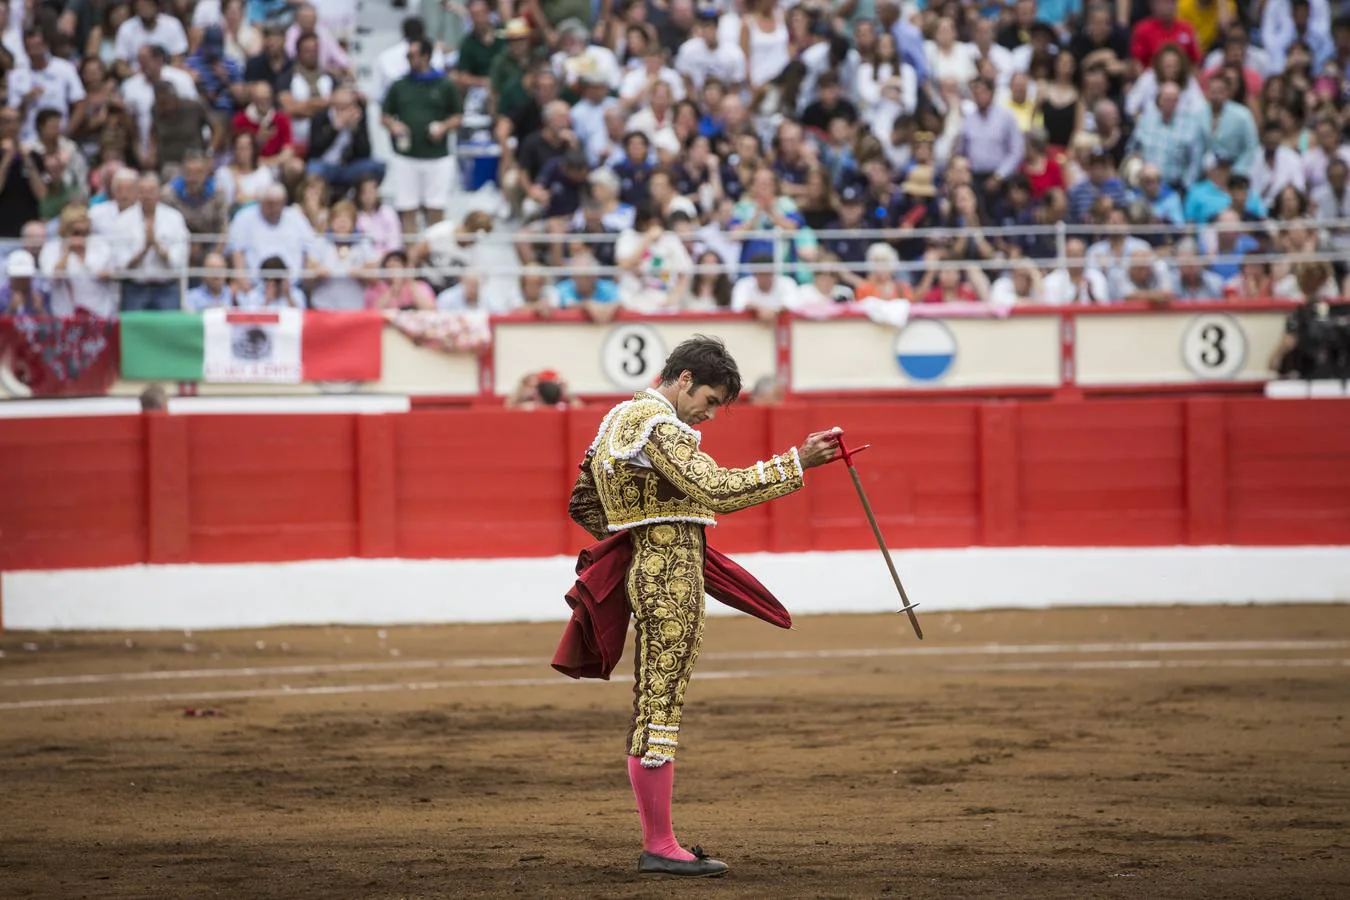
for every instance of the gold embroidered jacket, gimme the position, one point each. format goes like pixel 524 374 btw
pixel 645 467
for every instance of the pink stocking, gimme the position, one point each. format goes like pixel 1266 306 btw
pixel 653 788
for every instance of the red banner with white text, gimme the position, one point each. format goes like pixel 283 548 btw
pixel 46 357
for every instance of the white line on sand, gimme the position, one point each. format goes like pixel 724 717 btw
pixel 384 688
pixel 511 662
pixel 724 675
pixel 1110 664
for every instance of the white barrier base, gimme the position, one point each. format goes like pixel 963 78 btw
pixel 399 591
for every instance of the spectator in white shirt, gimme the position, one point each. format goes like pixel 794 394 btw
pixel 579 59
pixel 703 56
pixel 79 266
pixel 831 53
pixel 148 26
pixel 763 292
pixel 638 85
pixel 310 89
pixel 1276 166
pixel 266 229
pixel 49 82
pixel 1280 27
pixel 153 249
pixel 825 289
pixel 656 269
pixel 1326 146
pixel 138 91
pixel 1191 280
pixel 339 257
pixel 948 60
pixel 330 56
pixel 11 34
pixel 887 87
pixel 122 194
pixel 214 290
pixel 242 39
pixel 656 116
pixel 1022 284
pixel 984 46
pixel 588 113
pixel 1331 202
pixel 1113 252
pixel 1145 277
pixel 607 147
pixel 392 64
pixel 1075 283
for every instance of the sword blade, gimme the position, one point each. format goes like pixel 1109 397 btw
pixel 881 542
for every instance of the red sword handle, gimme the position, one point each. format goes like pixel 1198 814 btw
pixel 844 453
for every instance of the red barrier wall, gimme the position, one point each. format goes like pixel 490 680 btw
pixel 494 483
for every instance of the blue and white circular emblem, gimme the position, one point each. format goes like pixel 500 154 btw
pixel 925 349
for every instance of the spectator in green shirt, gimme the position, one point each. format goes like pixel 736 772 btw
pixel 506 74
pixel 420 110
pixel 554 12
pixel 478 49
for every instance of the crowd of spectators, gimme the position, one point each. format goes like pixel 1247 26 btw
pixel 142 138
pixel 1195 149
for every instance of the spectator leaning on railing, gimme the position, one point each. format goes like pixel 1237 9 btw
pixel 268 229
pixel 152 246
pixel 20 295
pixel 274 288
pixel 214 290
pixel 79 267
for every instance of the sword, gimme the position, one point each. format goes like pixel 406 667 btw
pixel 847 455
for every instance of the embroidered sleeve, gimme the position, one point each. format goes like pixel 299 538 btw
pixel 676 456
pixel 584 506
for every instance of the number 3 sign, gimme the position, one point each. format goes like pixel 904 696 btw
pixel 1214 346
pixel 632 356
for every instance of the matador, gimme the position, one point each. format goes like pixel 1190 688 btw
pixel 647 489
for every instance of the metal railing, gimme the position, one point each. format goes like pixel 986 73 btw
pixel 508 246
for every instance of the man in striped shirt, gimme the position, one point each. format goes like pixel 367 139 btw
pixel 1101 182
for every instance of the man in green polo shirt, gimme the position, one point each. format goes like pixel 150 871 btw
pixel 478 49
pixel 420 111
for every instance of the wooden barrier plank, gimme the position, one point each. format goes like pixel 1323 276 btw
pixel 167 489
pixel 1206 471
pixel 1000 467
pixel 376 499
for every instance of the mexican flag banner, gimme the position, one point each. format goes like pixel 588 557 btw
pixel 281 346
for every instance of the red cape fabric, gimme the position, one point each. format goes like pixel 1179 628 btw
pixel 592 643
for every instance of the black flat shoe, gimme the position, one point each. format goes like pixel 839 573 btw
pixel 702 866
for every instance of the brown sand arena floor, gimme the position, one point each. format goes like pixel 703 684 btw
pixel 1179 752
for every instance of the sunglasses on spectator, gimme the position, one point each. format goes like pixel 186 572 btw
pixel 81 231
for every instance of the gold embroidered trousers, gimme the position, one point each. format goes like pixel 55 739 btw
pixel 665 588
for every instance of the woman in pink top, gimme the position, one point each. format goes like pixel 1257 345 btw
pixel 375 219
pixel 397 289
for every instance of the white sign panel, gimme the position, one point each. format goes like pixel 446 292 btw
pixel 928 353
pixel 632 355
pixel 620 357
pixel 1176 347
